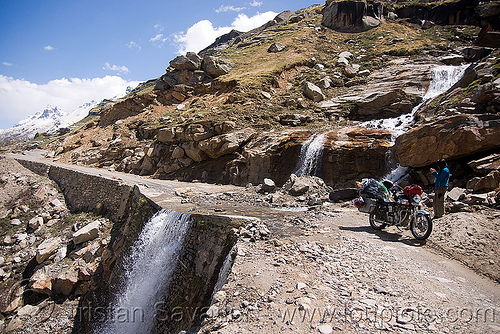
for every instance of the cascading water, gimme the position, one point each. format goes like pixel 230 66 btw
pixel 148 271
pixel 443 78
pixel 310 155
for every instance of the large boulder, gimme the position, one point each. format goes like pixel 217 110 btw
pixel 313 92
pixel 383 104
pixel 216 66
pixel 86 233
pixel 227 143
pixel 191 61
pixel 352 16
pixel 47 248
pixel 449 138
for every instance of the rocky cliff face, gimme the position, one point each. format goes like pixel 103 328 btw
pixel 240 111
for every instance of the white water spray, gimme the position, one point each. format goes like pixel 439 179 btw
pixel 443 78
pixel 310 155
pixel 148 271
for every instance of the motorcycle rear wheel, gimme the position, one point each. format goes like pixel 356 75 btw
pixel 421 226
pixel 375 223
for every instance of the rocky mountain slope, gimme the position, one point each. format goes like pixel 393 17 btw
pixel 240 110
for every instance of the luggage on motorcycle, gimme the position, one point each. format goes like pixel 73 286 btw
pixel 369 205
pixel 359 202
pixel 373 189
pixel 413 190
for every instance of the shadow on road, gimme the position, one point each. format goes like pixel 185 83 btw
pixel 385 235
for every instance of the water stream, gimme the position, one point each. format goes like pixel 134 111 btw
pixel 147 273
pixel 310 155
pixel 443 78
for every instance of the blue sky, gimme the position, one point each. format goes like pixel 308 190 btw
pixel 68 52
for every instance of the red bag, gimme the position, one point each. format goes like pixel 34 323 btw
pixel 412 190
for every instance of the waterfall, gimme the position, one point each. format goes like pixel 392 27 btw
pixel 443 78
pixel 310 155
pixel 147 273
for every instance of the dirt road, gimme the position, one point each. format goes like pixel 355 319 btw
pixel 324 270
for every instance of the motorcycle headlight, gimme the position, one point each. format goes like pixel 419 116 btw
pixel 417 199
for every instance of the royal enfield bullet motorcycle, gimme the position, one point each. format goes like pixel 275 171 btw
pixel 403 210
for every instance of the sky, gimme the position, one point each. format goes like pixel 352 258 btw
pixel 68 52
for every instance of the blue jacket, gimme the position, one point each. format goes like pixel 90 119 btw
pixel 442 177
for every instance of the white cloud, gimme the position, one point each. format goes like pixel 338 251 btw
pixel 20 98
pixel 158 40
pixel 256 3
pixel 7 63
pixel 48 48
pixel 134 45
pixel 203 33
pixel 224 9
pixel 115 68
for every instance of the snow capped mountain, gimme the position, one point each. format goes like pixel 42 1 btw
pixel 49 120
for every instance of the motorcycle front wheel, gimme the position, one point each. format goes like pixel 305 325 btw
pixel 375 223
pixel 421 226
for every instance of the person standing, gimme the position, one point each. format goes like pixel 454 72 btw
pixel 442 176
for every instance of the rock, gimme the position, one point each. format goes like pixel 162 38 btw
pixel 28 310
pixel 486 183
pixel 351 70
pixel 301 285
pixel 345 194
pixel 220 296
pixel 486 165
pixel 266 94
pixel 457 206
pixel 65 281
pixel 268 185
pixel 299 187
pixel 325 329
pixel 475 53
pixel 304 303
pixel 194 152
pixel 178 96
pixel 15 222
pixel 294 119
pixel 191 61
pixel 283 16
pixel 35 223
pixel 449 138
pixel 314 200
pixel 7 240
pixel 276 47
pixel 351 16
pixel 325 83
pixel 452 59
pixel 177 153
pixel 47 248
pixel 313 92
pixel 225 144
pixel 56 203
pixel 479 198
pixel 382 104
pixel 216 66
pixel 456 194
pixel 41 282
pixel 166 135
pixel 319 67
pixel 13 325
pixel 88 232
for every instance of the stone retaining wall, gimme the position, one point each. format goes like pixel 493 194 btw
pixel 207 244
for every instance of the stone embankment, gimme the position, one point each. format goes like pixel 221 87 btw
pixel 79 264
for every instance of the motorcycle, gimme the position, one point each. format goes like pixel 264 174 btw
pixel 405 210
